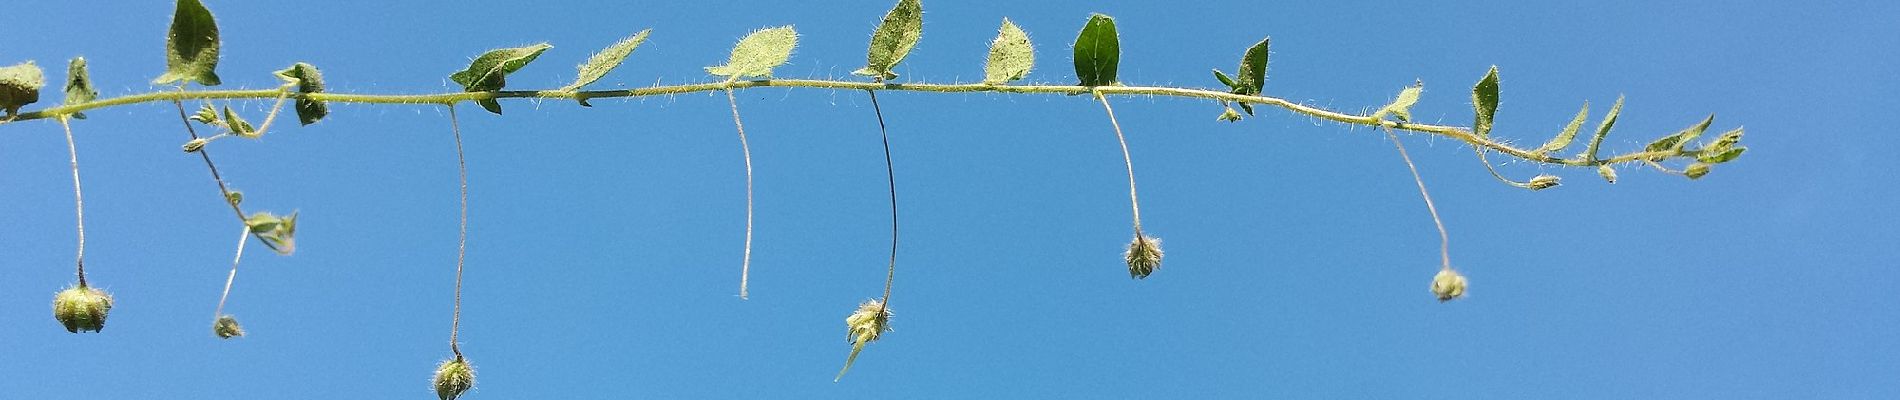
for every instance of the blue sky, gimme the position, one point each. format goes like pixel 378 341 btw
pixel 605 242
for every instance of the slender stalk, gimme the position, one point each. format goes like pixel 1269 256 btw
pixel 1494 171
pixel 1133 201
pixel 745 264
pixel 1444 244
pixel 890 176
pixel 224 192
pixel 1457 133
pixel 243 237
pixel 79 200
pixel 461 247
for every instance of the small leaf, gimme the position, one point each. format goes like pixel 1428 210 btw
pixel 1609 120
pixel 893 39
pixel 191 48
pixel 238 125
pixel 19 86
pixel 1225 80
pixel 1098 52
pixel 79 84
pixel 1011 55
pixel 1569 133
pixel 1253 70
pixel 606 60
pixel 1674 142
pixel 262 222
pixel 308 80
pixel 1484 98
pixel 1402 106
pixel 1725 141
pixel 758 53
pixel 489 72
pixel 279 233
pixel 1723 156
pixel 207 115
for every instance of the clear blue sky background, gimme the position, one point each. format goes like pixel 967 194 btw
pixel 605 242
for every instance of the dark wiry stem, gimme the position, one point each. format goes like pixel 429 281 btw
pixel 890 176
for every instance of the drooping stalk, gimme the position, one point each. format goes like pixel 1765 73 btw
pixel 79 200
pixel 461 247
pixel 745 263
pixel 1444 239
pixel 243 237
pixel 890 177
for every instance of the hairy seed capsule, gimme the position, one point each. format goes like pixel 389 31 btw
pixel 227 327
pixel 81 308
pixel 1448 285
pixel 1609 174
pixel 1542 182
pixel 1144 256
pixel 1696 171
pixel 453 378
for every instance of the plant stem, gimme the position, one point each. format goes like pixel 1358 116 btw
pixel 461 247
pixel 1494 171
pixel 890 176
pixel 1444 239
pixel 745 264
pixel 224 192
pixel 79 200
pixel 1133 201
pixel 1458 133
pixel 243 237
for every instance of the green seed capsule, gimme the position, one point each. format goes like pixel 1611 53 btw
pixel 81 308
pixel 227 327
pixel 1448 285
pixel 1144 256
pixel 453 378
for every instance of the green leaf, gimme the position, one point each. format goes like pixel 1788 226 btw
pixel 308 80
pixel 893 39
pixel 238 125
pixel 606 60
pixel 489 72
pixel 1253 70
pixel 1484 98
pixel 1011 55
pixel 1402 106
pixel 1098 52
pixel 279 233
pixel 19 86
pixel 1609 120
pixel 1723 156
pixel 1569 134
pixel 262 222
pixel 191 48
pixel 1225 80
pixel 1725 141
pixel 1674 142
pixel 79 85
pixel 758 53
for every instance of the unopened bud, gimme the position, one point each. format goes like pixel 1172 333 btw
pixel 81 308
pixel 453 378
pixel 227 327
pixel 1144 256
pixel 1448 285
pixel 1696 170
pixel 1542 182
pixel 1609 174
pixel 194 145
pixel 1229 116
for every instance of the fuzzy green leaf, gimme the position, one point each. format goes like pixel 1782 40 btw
pixel 1484 99
pixel 893 39
pixel 1596 141
pixel 1569 134
pixel 1253 70
pixel 238 125
pixel 1674 142
pixel 1402 106
pixel 191 48
pixel 489 72
pixel 1226 80
pixel 606 60
pixel 1011 55
pixel 79 84
pixel 758 53
pixel 19 86
pixel 278 233
pixel 308 80
pixel 1723 156
pixel 1098 52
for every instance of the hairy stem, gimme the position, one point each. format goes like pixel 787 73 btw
pixel 1495 173
pixel 243 237
pixel 79 200
pixel 1133 201
pixel 890 176
pixel 1458 133
pixel 745 263
pixel 461 247
pixel 1444 239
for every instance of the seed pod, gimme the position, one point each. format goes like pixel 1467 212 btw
pixel 227 327
pixel 1448 285
pixel 81 308
pixel 453 378
pixel 1542 182
pixel 1696 170
pixel 1144 256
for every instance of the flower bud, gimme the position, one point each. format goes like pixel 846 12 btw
pixel 1696 170
pixel 195 144
pixel 1448 285
pixel 1229 116
pixel 453 378
pixel 81 308
pixel 1144 256
pixel 227 327
pixel 1542 182
pixel 1609 174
